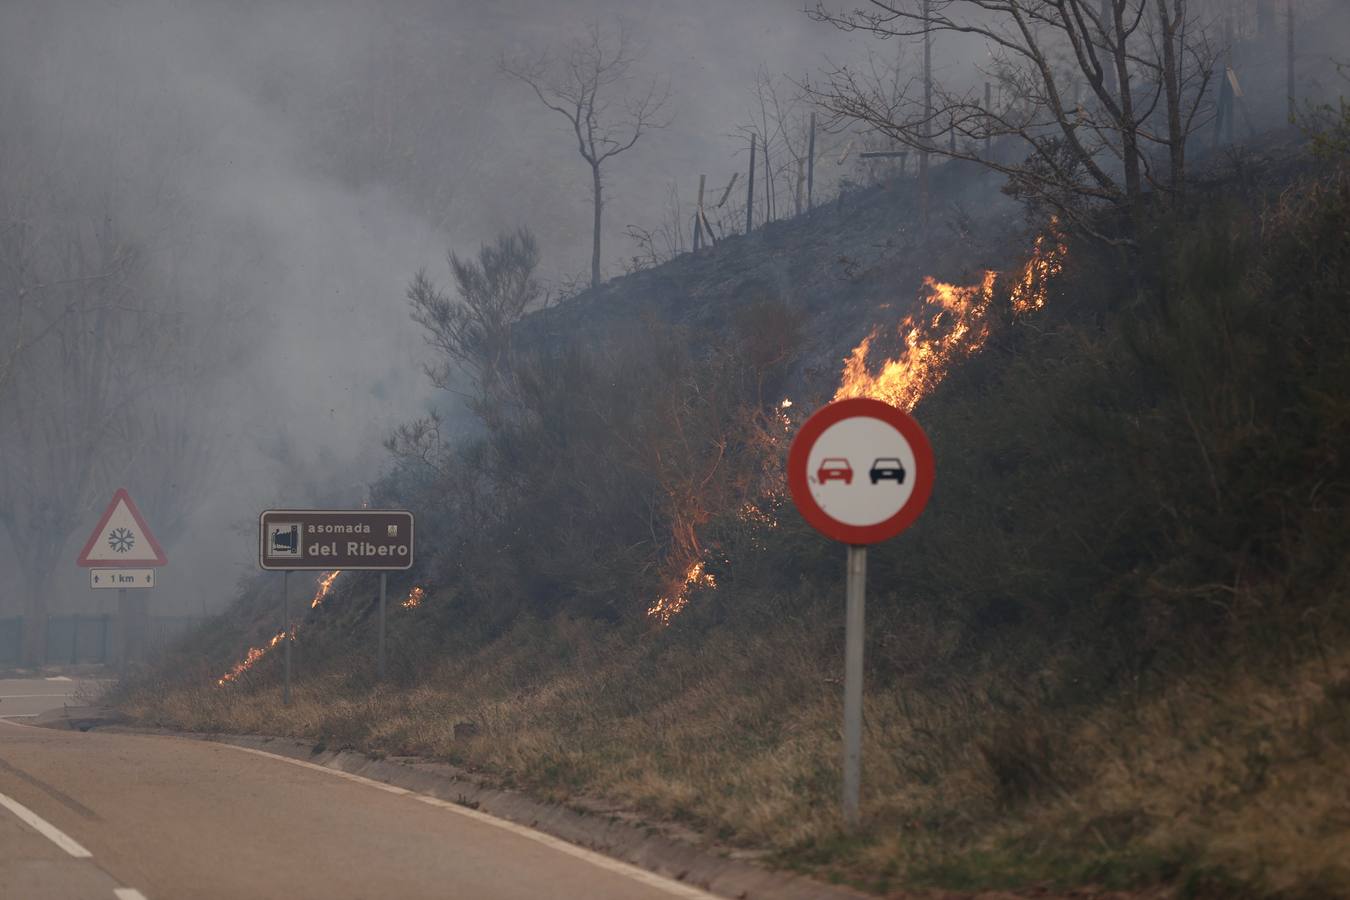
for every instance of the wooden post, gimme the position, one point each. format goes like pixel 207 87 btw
pixel 750 190
pixel 726 192
pixel 1228 65
pixel 1223 108
pixel 1289 60
pixel 768 184
pixel 698 214
pixel 810 162
pixel 801 186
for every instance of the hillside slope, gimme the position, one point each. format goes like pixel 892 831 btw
pixel 1115 651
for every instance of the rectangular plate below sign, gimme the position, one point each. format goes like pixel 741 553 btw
pixel 121 578
pixel 371 540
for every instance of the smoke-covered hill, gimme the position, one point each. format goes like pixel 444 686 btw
pixel 1113 652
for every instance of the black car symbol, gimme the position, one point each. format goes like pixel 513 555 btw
pixel 887 467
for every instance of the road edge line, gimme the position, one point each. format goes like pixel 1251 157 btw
pixel 651 879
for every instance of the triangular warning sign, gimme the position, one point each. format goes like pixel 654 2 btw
pixel 121 538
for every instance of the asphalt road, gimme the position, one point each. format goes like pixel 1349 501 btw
pixel 106 815
pixel 23 698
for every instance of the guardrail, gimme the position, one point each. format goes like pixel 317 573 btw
pixel 87 638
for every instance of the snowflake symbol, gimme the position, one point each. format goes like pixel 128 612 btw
pixel 121 539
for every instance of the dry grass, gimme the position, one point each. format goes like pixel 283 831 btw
pixel 1226 780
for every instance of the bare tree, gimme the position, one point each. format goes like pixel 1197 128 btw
pixel 583 86
pixel 1146 66
pixel 100 365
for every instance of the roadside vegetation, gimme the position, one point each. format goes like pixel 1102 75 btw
pixel 1115 650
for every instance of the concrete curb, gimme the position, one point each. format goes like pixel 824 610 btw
pixel 612 834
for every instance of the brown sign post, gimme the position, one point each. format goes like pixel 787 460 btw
pixel 372 540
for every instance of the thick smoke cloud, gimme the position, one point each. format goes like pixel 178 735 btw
pixel 289 165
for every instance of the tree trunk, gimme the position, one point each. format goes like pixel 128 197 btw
pixel 1176 140
pixel 1129 137
pixel 595 232
pixel 1107 15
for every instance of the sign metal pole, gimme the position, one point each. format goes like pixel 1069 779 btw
pixel 853 680
pixel 857 503
pixel 124 614
pixel 286 628
pixel 379 657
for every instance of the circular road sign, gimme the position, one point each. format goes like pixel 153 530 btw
pixel 860 471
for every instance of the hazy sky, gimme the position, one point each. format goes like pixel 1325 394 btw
pixel 303 159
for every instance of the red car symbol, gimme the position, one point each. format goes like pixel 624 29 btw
pixel 835 469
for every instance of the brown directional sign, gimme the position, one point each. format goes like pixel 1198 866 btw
pixel 372 539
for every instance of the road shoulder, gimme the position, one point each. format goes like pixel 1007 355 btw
pixel 608 833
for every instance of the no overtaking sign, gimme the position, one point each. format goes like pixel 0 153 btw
pixel 860 472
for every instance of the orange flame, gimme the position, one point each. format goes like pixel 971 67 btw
pixel 952 323
pixel 256 653
pixel 325 585
pixel 1029 292
pixel 668 607
pixel 414 598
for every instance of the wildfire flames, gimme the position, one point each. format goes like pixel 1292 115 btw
pixel 325 585
pixel 256 653
pixel 1029 292
pixel 669 606
pixel 414 598
pixel 952 323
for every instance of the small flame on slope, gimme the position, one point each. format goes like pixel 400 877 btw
pixel 669 606
pixel 414 598
pixel 1029 292
pixel 325 585
pixel 256 653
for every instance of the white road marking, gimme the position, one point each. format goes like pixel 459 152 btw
pixel 21 696
pixel 59 837
pixel 651 879
pixel 45 828
pixel 59 678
